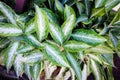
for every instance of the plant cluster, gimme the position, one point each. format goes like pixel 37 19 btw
pixel 80 36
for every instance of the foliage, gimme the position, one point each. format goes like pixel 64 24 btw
pixel 80 36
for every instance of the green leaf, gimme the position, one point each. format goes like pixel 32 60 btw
pixel 9 30
pixel 36 70
pixel 116 18
pixel 81 7
pixel 33 57
pixel 4 42
pixel 113 39
pixel 81 18
pixel 68 26
pixel 117 22
pixel 87 7
pixel 98 12
pixel 110 73
pixel 75 46
pixel 74 64
pixel 41 23
pixel 88 36
pixel 99 3
pixel 95 57
pixel 31 39
pixel 3 19
pixel 107 59
pixel 59 7
pixel 51 16
pixel 56 33
pixel 68 11
pixel 8 12
pixel 10 54
pixel 27 70
pixel 85 72
pixel 18 65
pixel 102 49
pixel 24 49
pixel 53 54
pixel 95 67
pixel 110 4
pixel 30 27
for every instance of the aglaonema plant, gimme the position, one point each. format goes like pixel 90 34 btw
pixel 69 36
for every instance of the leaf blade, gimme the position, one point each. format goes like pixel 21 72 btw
pixel 41 23
pixel 88 36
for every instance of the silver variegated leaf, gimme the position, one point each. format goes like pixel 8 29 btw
pixel 9 30
pixel 56 33
pixel 74 64
pixel 68 26
pixel 75 46
pixel 41 23
pixel 8 12
pixel 88 36
pixel 10 54
pixel 53 54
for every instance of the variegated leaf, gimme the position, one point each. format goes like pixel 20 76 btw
pixel 68 26
pixel 9 30
pixel 27 71
pixel 85 72
pixel 56 33
pixel 41 23
pixel 51 16
pixel 74 64
pixel 10 54
pixel 36 70
pixel 33 57
pixel 30 27
pixel 75 46
pixel 18 65
pixel 101 49
pixel 59 6
pixel 110 4
pixel 31 39
pixel 95 57
pixel 24 49
pixel 99 3
pixel 4 42
pixel 53 54
pixel 95 67
pixel 68 11
pixel 88 36
pixel 8 12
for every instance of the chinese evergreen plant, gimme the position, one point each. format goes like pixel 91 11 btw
pixel 79 36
